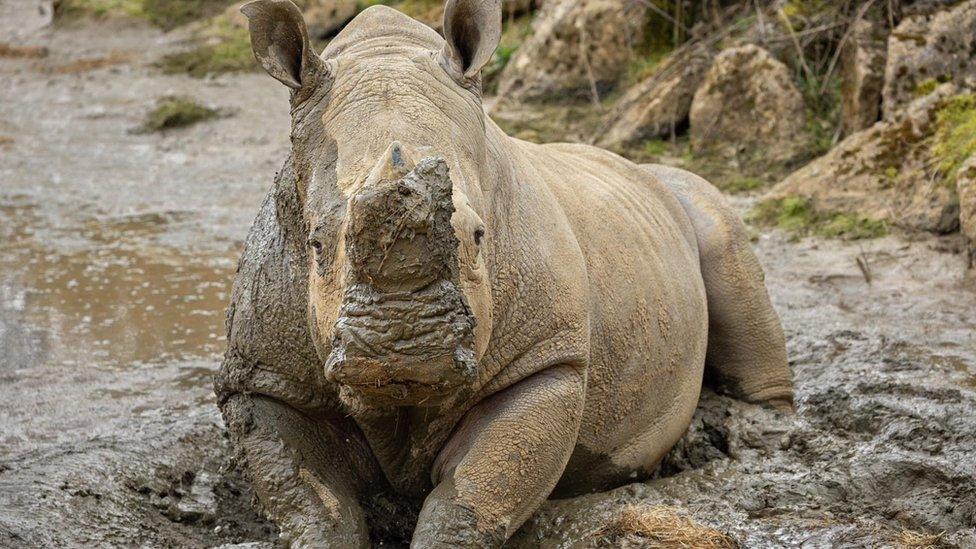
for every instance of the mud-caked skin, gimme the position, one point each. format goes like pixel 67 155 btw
pixel 435 326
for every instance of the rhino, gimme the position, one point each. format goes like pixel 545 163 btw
pixel 434 326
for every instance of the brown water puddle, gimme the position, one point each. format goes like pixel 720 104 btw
pixel 115 293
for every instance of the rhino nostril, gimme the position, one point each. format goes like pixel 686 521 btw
pixel 315 244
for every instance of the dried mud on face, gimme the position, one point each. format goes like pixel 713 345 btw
pixel 117 251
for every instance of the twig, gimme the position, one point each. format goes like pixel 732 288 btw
pixel 796 44
pixel 594 92
pixel 843 41
pixel 862 264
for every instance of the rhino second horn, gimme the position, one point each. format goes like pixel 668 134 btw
pixel 393 164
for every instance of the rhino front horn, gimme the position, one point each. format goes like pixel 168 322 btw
pixel 393 164
pixel 400 236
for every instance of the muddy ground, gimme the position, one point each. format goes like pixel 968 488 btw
pixel 116 256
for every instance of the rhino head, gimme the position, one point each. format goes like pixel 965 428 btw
pixel 389 145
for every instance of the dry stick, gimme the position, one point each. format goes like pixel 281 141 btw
pixel 862 264
pixel 843 41
pixel 762 23
pixel 594 93
pixel 796 43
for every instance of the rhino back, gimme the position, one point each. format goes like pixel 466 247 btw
pixel 269 348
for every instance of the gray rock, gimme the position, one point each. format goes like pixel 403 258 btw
pixel 966 188
pixel 659 103
pixel 748 102
pixel 576 45
pixel 884 173
pixel 927 49
pixel 862 68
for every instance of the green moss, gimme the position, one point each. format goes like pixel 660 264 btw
pixel 851 227
pixel 656 147
pixel 743 184
pixel 176 112
pixel 928 85
pixel 800 12
pixel 797 215
pixel 955 135
pixel 170 14
pixel 223 48
pixel 167 14
pixel 101 8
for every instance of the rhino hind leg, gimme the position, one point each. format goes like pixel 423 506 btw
pixel 746 355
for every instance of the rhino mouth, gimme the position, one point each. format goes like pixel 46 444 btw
pixel 403 348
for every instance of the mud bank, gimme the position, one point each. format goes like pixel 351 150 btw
pixel 117 252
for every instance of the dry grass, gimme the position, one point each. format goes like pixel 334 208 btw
pixel 92 63
pixel 24 52
pixel 663 527
pixel 920 540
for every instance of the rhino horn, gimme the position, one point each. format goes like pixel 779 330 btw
pixel 393 164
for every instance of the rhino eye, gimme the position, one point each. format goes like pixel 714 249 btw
pixel 478 235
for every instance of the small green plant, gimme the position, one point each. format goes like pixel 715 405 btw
pixel 743 184
pixel 167 14
pixel 822 104
pixel 176 112
pixel 955 135
pixel 796 215
pixel 928 85
pixel 101 8
pixel 224 48
pixel 656 147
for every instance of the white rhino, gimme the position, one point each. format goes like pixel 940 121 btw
pixel 435 326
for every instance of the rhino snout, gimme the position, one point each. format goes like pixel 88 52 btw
pixel 403 348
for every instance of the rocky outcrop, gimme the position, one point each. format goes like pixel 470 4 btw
pixel 927 49
pixel 885 172
pixel 862 69
pixel 660 103
pixel 966 187
pixel 578 48
pixel 324 17
pixel 748 102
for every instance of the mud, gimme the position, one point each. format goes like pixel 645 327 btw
pixel 116 255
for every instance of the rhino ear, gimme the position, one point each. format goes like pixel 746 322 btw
pixel 279 39
pixel 472 29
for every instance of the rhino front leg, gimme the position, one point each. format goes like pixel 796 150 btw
pixel 503 461
pixel 303 471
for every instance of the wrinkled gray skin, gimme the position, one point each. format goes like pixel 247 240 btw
pixel 435 326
